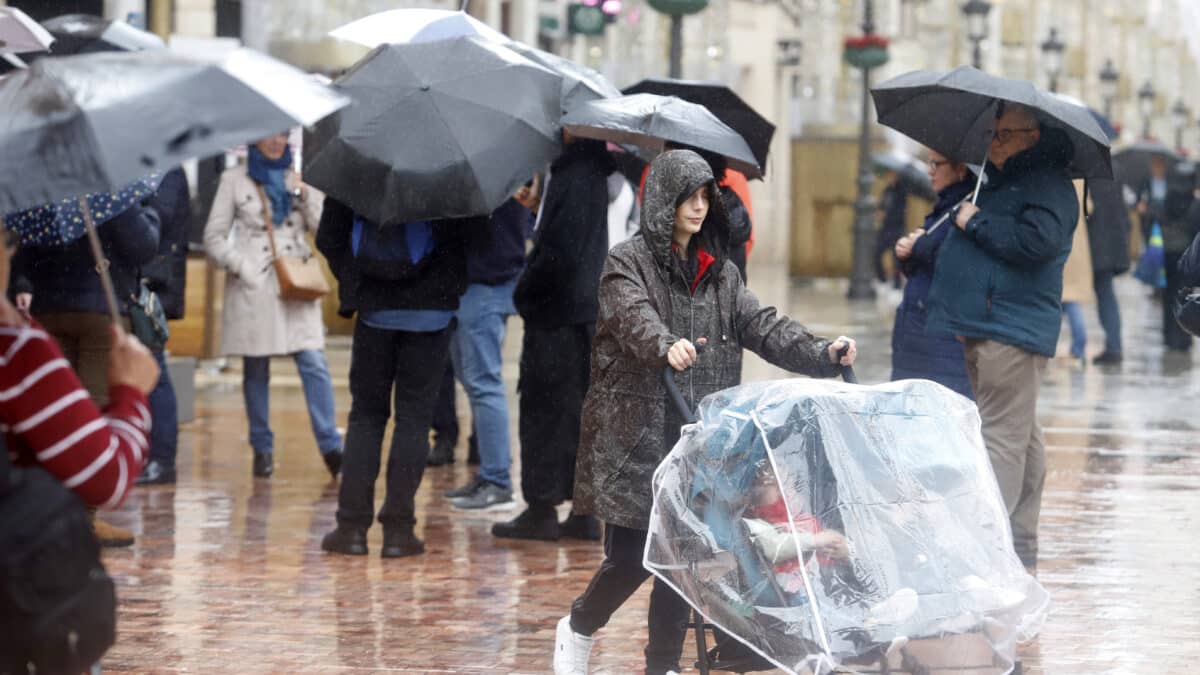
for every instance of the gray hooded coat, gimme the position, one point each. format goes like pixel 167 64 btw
pixel 646 305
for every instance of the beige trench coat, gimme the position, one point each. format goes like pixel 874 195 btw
pixel 1077 274
pixel 255 321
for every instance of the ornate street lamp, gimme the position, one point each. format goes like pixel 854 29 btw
pixel 677 9
pixel 1182 116
pixel 865 52
pixel 976 13
pixel 1146 96
pixel 1052 53
pixel 1110 77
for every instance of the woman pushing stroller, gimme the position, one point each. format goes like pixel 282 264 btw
pixel 663 292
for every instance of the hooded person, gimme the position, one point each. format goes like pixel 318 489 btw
pixel 664 291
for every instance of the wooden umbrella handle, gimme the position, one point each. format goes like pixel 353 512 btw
pixel 102 263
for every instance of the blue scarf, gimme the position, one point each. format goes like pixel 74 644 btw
pixel 270 175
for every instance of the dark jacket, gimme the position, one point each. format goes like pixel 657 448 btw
pixel 442 280
pixel 740 228
pixel 498 255
pixel 916 352
pixel 166 274
pixel 894 205
pixel 562 272
pixel 65 279
pixel 1189 264
pixel 1001 279
pixel 1171 213
pixel 645 307
pixel 1108 227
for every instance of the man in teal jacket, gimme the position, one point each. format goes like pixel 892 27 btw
pixel 998 286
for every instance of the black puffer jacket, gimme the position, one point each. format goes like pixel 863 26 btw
pixel 646 305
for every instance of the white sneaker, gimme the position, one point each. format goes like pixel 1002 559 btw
pixel 571 650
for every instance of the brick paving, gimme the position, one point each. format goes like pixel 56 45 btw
pixel 227 575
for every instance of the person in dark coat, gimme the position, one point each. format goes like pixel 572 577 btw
pixel 556 295
pixel 893 205
pixel 1108 237
pixel 401 344
pixel 1178 229
pixel 663 292
pixel 166 275
pixel 998 284
pixel 917 353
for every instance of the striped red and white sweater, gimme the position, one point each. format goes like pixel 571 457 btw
pixel 49 420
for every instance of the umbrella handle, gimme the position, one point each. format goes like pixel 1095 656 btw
pixel 979 180
pixel 110 294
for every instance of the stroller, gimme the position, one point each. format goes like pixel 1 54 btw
pixel 824 527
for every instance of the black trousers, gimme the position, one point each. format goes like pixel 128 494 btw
pixel 389 367
pixel 1174 337
pixel 619 576
pixel 445 414
pixel 554 371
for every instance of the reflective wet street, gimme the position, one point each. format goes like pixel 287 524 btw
pixel 227 574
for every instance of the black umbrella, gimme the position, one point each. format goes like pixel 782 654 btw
pixel 724 103
pixel 910 170
pixel 580 84
pixel 1131 164
pixel 84 33
pixel 648 120
pixel 954 113
pixel 438 130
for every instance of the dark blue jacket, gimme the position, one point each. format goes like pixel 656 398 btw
pixel 500 255
pixel 1001 279
pixel 916 352
pixel 166 274
pixel 65 279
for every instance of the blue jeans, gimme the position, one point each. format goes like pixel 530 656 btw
pixel 318 393
pixel 164 416
pixel 475 349
pixel 1078 327
pixel 1110 311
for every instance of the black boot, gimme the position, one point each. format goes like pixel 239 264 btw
pixel 442 453
pixel 264 464
pixel 346 540
pixel 580 527
pixel 156 473
pixel 333 462
pixel 399 543
pixel 537 521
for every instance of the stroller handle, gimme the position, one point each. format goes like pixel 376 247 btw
pixel 689 416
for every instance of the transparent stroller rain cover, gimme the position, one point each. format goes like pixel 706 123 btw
pixel 831 526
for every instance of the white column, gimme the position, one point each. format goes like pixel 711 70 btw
pixel 120 9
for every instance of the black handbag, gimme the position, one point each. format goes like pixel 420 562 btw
pixel 148 320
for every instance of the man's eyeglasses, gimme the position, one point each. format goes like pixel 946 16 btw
pixel 935 164
pixel 1005 135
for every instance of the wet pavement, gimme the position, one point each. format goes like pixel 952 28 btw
pixel 227 574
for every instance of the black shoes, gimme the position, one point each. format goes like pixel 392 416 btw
pixel 333 462
pixel 401 543
pixel 537 522
pixel 264 464
pixel 441 454
pixel 580 527
pixel 1107 359
pixel 156 473
pixel 472 451
pixel 346 541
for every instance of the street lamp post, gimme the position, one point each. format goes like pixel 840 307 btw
pixel 1146 97
pixel 1052 52
pixel 1109 79
pixel 1182 115
pixel 866 52
pixel 976 13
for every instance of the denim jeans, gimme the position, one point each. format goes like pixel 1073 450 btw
pixel 475 349
pixel 1110 311
pixel 1078 327
pixel 164 416
pixel 318 394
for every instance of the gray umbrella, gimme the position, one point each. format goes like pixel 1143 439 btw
pixel 580 84
pixel 438 130
pixel 648 120
pixel 954 113
pixel 911 170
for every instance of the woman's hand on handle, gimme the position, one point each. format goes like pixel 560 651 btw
pixel 130 363
pixel 838 345
pixel 682 354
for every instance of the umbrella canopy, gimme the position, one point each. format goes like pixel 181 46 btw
pixel 437 130
pixel 580 84
pixel 649 120
pixel 1105 124
pixel 1131 164
pixel 93 123
pixel 399 26
pixel 84 33
pixel 63 221
pixel 954 113
pixel 910 169
pixel 19 33
pixel 722 102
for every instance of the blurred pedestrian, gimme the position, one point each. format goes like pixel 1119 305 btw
pixel 1179 225
pixel 1108 239
pixel 254 201
pixel 556 296
pixel 166 276
pixel 1077 284
pixel 893 212
pixel 680 259
pixel 918 353
pixel 998 285
pixel 402 283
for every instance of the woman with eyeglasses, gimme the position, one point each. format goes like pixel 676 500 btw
pixel 917 354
